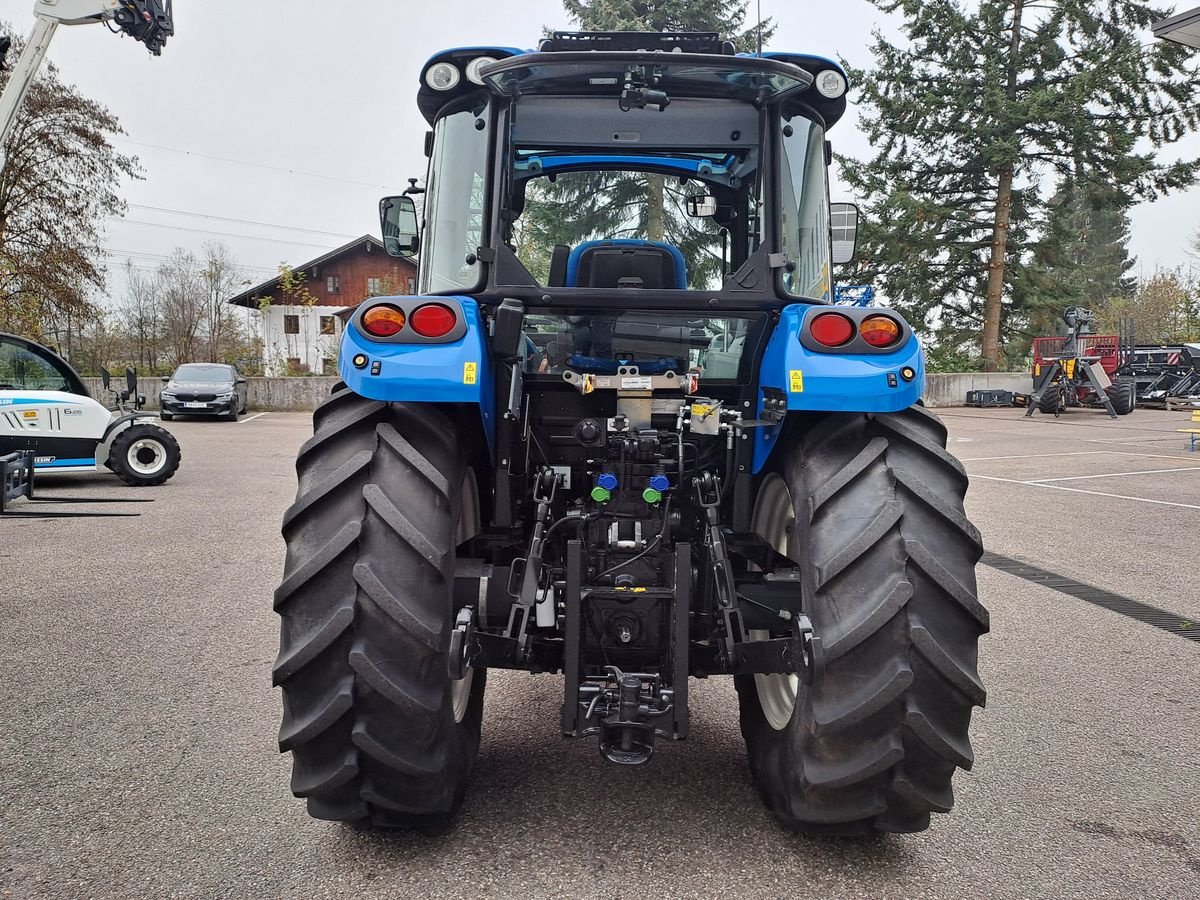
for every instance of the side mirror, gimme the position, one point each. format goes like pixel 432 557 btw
pixel 166 378
pixel 398 216
pixel 105 378
pixel 241 380
pixel 844 219
pixel 131 381
pixel 702 206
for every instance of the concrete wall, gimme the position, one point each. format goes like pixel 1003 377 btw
pixel 284 394
pixel 297 394
pixel 950 388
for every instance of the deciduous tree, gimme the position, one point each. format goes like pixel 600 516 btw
pixel 59 185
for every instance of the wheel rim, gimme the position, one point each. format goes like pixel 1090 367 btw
pixel 146 456
pixel 468 527
pixel 774 515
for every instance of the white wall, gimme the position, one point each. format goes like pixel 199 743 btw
pixel 309 345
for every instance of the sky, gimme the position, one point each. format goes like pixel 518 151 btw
pixel 276 125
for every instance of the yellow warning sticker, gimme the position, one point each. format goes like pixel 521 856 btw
pixel 30 414
pixel 470 372
pixel 796 385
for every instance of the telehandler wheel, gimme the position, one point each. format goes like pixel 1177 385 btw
pixel 144 455
pixel 379 733
pixel 1123 395
pixel 871 506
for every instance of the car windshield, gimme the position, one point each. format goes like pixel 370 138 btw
pixel 201 373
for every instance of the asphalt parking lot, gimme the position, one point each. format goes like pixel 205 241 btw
pixel 138 725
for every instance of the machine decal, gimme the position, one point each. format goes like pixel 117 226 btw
pixel 796 385
pixel 470 372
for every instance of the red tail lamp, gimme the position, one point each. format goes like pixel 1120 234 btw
pixel 382 321
pixel 433 320
pixel 879 331
pixel 832 329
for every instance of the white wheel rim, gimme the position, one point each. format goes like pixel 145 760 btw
pixel 468 526
pixel 146 456
pixel 773 517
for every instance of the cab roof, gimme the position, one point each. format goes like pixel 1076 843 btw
pixel 555 67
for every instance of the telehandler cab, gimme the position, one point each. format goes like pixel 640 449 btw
pixel 621 433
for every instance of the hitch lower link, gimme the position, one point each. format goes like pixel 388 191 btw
pixel 799 654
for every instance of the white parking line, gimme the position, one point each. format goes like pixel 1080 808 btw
pixel 1114 474
pixel 1033 455
pixel 251 419
pixel 1059 487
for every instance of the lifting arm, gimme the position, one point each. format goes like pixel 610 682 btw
pixel 148 21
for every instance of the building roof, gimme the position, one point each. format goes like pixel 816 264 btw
pixel 247 297
pixel 1182 29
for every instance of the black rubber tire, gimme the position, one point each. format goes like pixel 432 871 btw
pixel 1048 402
pixel 1123 395
pixel 366 606
pixel 889 559
pixel 118 455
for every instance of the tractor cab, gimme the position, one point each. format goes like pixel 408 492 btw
pixel 576 175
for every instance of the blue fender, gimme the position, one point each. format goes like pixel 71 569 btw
pixel 458 371
pixel 833 382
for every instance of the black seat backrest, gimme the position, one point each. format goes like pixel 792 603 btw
pixel 558 266
pixel 627 265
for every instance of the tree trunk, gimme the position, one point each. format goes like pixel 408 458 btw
pixel 995 283
pixel 655 211
pixel 993 304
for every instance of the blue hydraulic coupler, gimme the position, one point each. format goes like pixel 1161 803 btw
pixel 659 482
pixel 607 480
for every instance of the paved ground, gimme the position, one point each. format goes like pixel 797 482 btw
pixel 137 729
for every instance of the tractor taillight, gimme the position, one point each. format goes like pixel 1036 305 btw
pixel 382 321
pixel 433 320
pixel 832 329
pixel 879 331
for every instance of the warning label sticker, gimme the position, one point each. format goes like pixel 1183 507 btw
pixel 470 372
pixel 796 382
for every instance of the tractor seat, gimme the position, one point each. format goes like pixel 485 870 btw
pixel 626 263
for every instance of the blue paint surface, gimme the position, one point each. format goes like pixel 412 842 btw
pixel 456 372
pixel 833 382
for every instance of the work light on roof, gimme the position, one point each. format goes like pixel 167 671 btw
pixel 831 84
pixel 442 76
pixel 475 65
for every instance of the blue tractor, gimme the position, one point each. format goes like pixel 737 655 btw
pixel 649 452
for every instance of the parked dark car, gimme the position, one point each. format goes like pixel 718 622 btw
pixel 203 389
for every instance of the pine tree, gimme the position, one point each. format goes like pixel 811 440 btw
pixel 617 204
pixel 978 119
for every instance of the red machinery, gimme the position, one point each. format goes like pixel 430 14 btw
pixel 1083 369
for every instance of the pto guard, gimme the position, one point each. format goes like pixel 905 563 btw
pixel 833 382
pixel 458 371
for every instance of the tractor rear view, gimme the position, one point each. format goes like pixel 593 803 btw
pixel 622 434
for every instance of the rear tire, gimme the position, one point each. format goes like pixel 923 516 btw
pixel 871 506
pixel 144 455
pixel 377 730
pixel 1123 395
